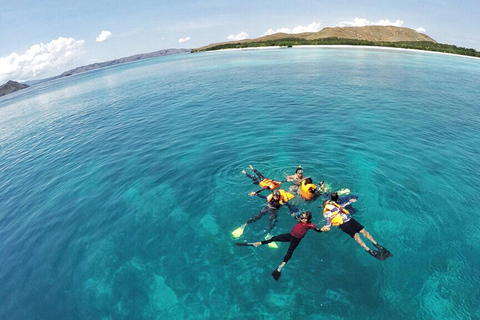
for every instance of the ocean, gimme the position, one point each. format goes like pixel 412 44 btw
pixel 120 187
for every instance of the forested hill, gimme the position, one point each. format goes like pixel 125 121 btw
pixel 385 36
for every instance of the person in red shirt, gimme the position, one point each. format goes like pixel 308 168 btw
pixel 294 237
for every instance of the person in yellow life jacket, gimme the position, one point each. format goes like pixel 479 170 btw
pixel 259 179
pixel 336 215
pixel 275 201
pixel 309 191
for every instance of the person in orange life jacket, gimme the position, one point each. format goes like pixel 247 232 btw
pixel 294 237
pixel 296 178
pixel 259 179
pixel 309 191
pixel 274 202
pixel 336 215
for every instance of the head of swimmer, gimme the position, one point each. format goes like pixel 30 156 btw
pixel 299 172
pixel 276 194
pixel 306 216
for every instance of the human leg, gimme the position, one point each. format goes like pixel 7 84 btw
pixel 368 236
pixel 259 175
pixel 272 219
pixel 260 214
pixel 285 237
pixel 254 178
pixel 294 242
pixel 357 238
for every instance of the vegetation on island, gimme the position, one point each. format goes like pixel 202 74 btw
pixel 290 42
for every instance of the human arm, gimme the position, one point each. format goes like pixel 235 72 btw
pixel 349 202
pixel 290 178
pixel 291 208
pixel 251 194
pixel 328 221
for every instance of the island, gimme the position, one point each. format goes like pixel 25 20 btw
pixel 11 86
pixel 382 36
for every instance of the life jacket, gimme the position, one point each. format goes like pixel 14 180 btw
pixel 305 190
pixel 284 197
pixel 336 209
pixel 269 184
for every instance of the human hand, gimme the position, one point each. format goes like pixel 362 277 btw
pixel 251 194
pixel 325 228
pixel 353 200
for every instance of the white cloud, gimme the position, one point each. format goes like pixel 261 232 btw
pixel 312 27
pixel 361 22
pixel 241 36
pixel 183 39
pixel 420 30
pixel 104 35
pixel 40 59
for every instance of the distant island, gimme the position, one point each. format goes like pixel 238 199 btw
pixel 11 86
pixel 122 60
pixel 382 36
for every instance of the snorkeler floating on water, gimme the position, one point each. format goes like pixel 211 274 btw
pixel 334 212
pixel 275 201
pixel 294 237
pixel 336 215
pixel 259 179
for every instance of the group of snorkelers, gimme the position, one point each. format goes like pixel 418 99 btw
pixel 334 211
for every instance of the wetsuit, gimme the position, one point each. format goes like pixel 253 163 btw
pixel 294 237
pixel 272 209
pixel 259 178
pixel 256 179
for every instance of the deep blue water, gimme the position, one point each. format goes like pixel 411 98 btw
pixel 119 188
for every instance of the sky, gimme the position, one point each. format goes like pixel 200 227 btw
pixel 40 39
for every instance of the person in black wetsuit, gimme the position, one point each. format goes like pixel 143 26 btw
pixel 262 181
pixel 294 237
pixel 275 201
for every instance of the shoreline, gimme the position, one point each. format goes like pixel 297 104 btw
pixel 343 46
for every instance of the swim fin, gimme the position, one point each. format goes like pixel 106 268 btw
pixel 244 244
pixel 272 245
pixel 384 253
pixel 380 255
pixel 238 232
pixel 374 253
pixel 276 274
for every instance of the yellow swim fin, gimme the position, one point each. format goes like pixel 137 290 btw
pixel 238 232
pixel 272 245
pixel 344 191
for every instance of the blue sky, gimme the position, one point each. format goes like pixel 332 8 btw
pixel 39 39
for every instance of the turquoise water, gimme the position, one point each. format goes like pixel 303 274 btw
pixel 120 188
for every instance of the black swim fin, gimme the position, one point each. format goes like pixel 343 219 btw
pixel 384 253
pixel 276 274
pixel 244 244
pixel 374 253
pixel 380 255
